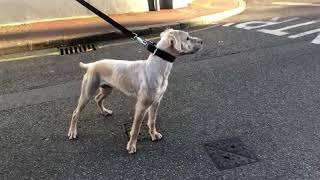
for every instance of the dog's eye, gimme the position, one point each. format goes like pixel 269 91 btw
pixel 188 38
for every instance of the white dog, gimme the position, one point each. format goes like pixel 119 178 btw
pixel 147 80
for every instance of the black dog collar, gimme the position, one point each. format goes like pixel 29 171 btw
pixel 160 53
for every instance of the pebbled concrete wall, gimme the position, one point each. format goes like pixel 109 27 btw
pixel 23 11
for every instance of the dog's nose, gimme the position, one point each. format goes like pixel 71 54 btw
pixel 201 41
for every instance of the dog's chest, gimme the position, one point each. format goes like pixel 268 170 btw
pixel 161 89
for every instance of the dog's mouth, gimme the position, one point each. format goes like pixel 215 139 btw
pixel 198 48
pixel 194 50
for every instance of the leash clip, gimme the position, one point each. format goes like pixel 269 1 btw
pixel 139 39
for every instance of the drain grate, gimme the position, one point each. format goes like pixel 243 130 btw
pixel 144 131
pixel 80 48
pixel 230 153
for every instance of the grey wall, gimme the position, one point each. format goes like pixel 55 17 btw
pixel 25 11
pixel 22 11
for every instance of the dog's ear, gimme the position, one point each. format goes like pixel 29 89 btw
pixel 175 41
pixel 165 31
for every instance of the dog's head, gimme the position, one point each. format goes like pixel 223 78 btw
pixel 179 42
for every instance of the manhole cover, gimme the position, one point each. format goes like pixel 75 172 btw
pixel 230 153
pixel 144 131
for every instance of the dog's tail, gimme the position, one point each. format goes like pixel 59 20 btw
pixel 84 66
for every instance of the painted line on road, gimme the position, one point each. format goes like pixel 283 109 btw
pixel 30 55
pixel 55 52
pixel 228 24
pixel 314 41
pixel 294 4
pixel 260 26
pixel 153 38
pixel 281 32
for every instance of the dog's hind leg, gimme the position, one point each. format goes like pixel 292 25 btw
pixel 104 92
pixel 90 84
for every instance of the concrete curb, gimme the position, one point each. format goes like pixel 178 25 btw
pixel 142 30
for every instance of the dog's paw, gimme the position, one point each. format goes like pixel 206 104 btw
pixel 106 112
pixel 72 134
pixel 131 147
pixel 156 136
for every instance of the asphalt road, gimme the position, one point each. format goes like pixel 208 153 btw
pixel 258 87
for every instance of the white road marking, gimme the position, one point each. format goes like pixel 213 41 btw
pixel 314 41
pixel 102 45
pixel 20 57
pixel 260 24
pixel 295 4
pixel 281 31
pixel 228 24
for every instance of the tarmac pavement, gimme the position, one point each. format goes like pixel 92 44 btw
pixel 260 88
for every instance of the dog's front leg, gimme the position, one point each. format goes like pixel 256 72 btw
pixel 155 135
pixel 140 112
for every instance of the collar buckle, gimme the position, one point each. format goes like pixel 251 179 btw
pixel 155 51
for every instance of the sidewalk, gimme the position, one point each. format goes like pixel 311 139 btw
pixel 41 35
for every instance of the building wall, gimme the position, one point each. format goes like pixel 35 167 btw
pixel 22 11
pixel 180 3
pixel 25 11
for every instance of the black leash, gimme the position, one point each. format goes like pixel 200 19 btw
pixel 151 46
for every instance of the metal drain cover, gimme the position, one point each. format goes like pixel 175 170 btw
pixel 80 48
pixel 144 131
pixel 230 153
